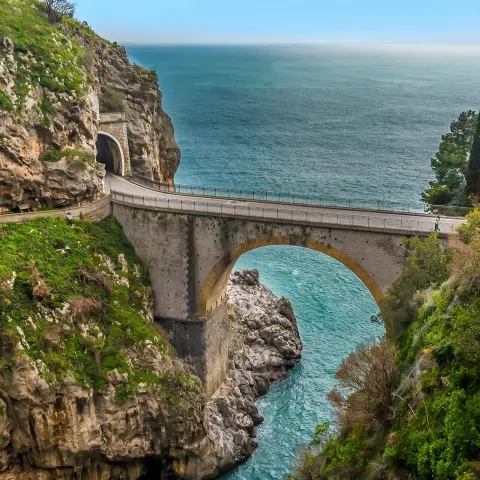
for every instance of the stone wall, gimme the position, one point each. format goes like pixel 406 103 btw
pixel 114 124
pixel 190 259
pixel 94 211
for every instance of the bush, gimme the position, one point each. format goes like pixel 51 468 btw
pixel 112 101
pixel 82 157
pixel 427 265
pixel 6 102
pixel 365 385
pixel 57 9
pixel 470 230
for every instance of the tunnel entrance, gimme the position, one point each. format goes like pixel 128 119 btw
pixel 109 153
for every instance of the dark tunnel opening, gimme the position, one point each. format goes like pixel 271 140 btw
pixel 109 154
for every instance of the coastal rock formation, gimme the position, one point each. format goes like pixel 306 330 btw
pixel 154 152
pixel 67 432
pixel 265 344
pixel 54 84
pixel 90 387
pixel 26 135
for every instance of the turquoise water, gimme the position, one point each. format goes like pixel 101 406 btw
pixel 314 120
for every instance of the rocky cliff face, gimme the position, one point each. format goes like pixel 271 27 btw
pixel 54 426
pixel 265 345
pixel 88 387
pixel 153 150
pixel 54 82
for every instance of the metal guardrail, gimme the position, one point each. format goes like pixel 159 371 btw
pixel 294 198
pixel 448 210
pixel 407 224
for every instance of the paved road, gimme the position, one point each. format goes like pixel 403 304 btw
pixel 408 223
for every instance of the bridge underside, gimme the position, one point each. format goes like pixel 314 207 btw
pixel 190 259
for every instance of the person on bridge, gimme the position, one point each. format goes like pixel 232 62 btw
pixel 437 223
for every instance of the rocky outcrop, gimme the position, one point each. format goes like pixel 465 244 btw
pixel 89 386
pixel 68 432
pixel 26 135
pixel 265 344
pixel 154 152
pixel 50 112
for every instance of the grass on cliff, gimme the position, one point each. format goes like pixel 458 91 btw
pixel 56 265
pixel 431 426
pixel 47 55
pixel 56 61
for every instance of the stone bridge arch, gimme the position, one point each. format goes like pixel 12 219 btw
pixel 214 288
pixel 190 257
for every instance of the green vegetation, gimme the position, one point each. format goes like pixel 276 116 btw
pixel 6 102
pixel 408 406
pixel 473 172
pixel 81 156
pixel 46 108
pixel 78 312
pixel 46 56
pixel 112 101
pixel 451 162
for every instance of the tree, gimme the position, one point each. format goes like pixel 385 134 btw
pixel 427 264
pixel 473 172
pixel 451 162
pixel 56 9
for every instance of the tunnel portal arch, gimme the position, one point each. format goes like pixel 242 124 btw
pixel 214 288
pixel 110 153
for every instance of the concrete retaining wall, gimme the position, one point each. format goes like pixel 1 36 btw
pixel 94 211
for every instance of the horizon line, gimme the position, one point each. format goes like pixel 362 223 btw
pixel 420 48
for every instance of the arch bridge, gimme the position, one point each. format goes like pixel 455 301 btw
pixel 191 244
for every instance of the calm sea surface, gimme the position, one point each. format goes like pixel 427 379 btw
pixel 327 121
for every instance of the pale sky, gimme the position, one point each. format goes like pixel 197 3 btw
pixel 285 21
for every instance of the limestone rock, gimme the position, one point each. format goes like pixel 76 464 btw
pixel 72 124
pixel 153 150
pixel 265 345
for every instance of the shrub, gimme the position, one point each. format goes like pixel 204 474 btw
pixel 82 307
pixel 39 287
pixel 57 9
pixel 82 157
pixel 365 385
pixel 427 265
pixel 470 230
pixel 6 102
pixel 112 101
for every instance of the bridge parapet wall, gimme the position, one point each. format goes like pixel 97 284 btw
pixel 190 257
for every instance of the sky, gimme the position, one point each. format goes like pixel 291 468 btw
pixel 402 22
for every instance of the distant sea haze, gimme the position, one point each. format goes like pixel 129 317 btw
pixel 317 120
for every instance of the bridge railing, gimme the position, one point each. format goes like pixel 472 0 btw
pixel 293 198
pixel 412 224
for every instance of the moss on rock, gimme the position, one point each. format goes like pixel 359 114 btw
pixel 77 309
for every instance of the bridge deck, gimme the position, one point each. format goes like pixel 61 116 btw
pixel 401 222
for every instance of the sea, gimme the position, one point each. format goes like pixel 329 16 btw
pixel 346 122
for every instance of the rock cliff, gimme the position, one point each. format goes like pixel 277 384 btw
pixel 265 344
pixel 55 80
pixel 91 389
pixel 88 387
